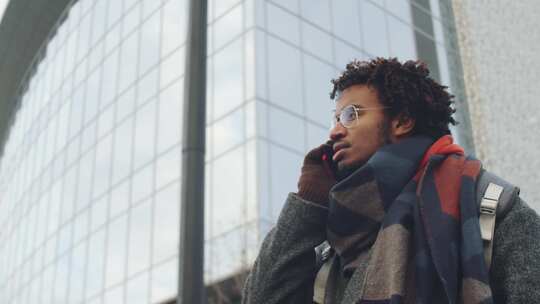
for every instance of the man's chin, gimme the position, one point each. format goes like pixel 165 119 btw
pixel 345 170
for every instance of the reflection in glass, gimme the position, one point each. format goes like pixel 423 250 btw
pixel 174 25
pixel 401 9
pixel 316 42
pixel 172 67
pixel 128 55
pixel 122 150
pixel 164 281
pixel 228 132
pixel 374 30
pixel 170 108
pixel 401 39
pixel 166 223
pixel 285 75
pixel 227 27
pixel 137 289
pixel 286 129
pixel 143 183
pixel 168 167
pixel 149 53
pixel 317 12
pixel 96 256
pixel 228 79
pixel 114 296
pixel 116 251
pixel 140 230
pixel 346 22
pixel 102 167
pixel 145 132
pixel 283 24
pixel 281 184
pixel 317 77
pixel 228 190
pixel 148 86
pixel 120 199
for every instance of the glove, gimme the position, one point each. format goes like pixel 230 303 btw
pixel 316 179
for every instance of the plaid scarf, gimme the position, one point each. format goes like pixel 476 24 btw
pixel 413 203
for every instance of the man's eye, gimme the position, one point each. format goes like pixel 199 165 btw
pixel 348 115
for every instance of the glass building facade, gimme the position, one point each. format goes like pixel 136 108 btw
pixel 90 170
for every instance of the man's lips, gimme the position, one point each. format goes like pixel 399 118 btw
pixel 338 151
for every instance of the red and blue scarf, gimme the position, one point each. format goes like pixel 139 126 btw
pixel 412 205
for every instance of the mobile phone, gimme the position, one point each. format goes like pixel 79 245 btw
pixel 329 164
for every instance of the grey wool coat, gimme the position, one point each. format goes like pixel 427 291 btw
pixel 285 270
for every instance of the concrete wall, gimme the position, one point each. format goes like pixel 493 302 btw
pixel 499 44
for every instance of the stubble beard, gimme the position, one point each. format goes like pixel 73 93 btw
pixel 383 132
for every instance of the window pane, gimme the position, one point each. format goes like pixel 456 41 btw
pixel 137 289
pixel 139 238
pixel 228 183
pixel 285 75
pixel 228 27
pixel 172 67
pixel 228 132
pixel 374 30
pixel 286 129
pixel 78 262
pixel 143 183
pixel 120 199
pixel 283 24
pixel 116 251
pixel 168 167
pixel 102 170
pixel 164 281
pixel 401 39
pixel 114 296
pixel 145 134
pixel 346 21
pixel 166 223
pixel 317 89
pixel 174 25
pixel 128 55
pixel 282 183
pixel 108 79
pixel 317 11
pixel 96 255
pixel 123 147
pixel 150 43
pixel 228 81
pixel 317 42
pixel 169 121
pixel 400 8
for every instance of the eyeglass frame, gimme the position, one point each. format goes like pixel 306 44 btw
pixel 357 110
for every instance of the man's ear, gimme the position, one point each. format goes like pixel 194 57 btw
pixel 402 125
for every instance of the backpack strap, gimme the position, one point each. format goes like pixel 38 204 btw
pixel 495 197
pixel 323 254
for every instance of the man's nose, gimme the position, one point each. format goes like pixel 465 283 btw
pixel 338 132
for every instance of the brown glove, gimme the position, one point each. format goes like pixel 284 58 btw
pixel 316 179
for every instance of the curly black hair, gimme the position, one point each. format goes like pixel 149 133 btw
pixel 406 89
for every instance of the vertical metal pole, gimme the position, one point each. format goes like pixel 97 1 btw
pixel 191 251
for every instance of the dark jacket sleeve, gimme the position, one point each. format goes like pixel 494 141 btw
pixel 515 272
pixel 284 271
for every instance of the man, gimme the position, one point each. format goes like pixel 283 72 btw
pixel 400 211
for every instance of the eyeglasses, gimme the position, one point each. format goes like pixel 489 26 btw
pixel 349 115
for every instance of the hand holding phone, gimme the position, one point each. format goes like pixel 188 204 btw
pixel 317 175
pixel 328 163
